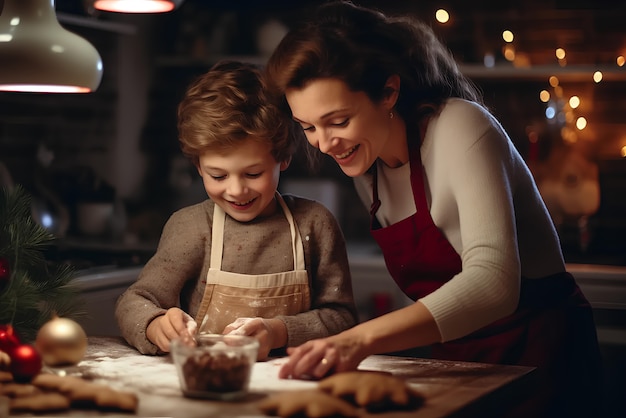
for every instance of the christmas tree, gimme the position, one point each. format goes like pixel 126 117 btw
pixel 32 289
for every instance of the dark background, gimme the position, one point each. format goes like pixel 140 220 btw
pixel 118 144
pixel 116 149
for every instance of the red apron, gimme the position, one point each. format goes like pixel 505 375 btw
pixel 551 329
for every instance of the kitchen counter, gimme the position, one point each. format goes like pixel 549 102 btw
pixel 450 388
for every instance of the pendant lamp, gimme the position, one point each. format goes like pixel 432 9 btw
pixel 137 6
pixel 38 55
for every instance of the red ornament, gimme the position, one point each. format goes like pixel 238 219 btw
pixel 25 363
pixel 8 339
pixel 5 273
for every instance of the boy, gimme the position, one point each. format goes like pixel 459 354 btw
pixel 247 260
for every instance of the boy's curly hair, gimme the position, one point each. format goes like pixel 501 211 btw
pixel 226 105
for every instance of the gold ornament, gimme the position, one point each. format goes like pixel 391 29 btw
pixel 61 342
pixel 5 361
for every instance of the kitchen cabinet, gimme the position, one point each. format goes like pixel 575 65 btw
pixel 374 290
pixel 100 288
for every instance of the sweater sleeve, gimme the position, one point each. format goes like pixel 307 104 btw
pixel 472 173
pixel 178 258
pixel 332 303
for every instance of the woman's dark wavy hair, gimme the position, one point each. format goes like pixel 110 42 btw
pixel 363 47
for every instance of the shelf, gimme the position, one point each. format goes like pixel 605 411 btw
pixel 477 71
pixel 186 61
pixel 543 72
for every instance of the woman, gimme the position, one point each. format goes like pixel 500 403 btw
pixel 455 210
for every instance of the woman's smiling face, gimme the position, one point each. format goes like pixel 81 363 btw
pixel 242 181
pixel 344 124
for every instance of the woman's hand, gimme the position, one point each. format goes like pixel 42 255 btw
pixel 318 358
pixel 175 323
pixel 271 333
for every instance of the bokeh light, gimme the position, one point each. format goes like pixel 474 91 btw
pixel 560 53
pixel 442 16
pixel 553 80
pixel 509 52
pixel 597 76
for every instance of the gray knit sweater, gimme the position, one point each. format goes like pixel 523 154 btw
pixel 173 276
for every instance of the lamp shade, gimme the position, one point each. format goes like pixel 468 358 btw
pixel 137 6
pixel 38 55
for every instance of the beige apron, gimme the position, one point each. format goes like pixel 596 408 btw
pixel 229 296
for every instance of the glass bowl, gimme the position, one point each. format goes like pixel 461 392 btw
pixel 214 366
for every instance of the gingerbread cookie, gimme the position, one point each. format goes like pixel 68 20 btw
pixel 372 390
pixel 108 398
pixel 15 390
pixel 40 402
pixel 83 393
pixel 51 381
pixel 50 392
pixel 24 397
pixel 311 403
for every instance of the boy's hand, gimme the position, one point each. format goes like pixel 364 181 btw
pixel 271 333
pixel 165 328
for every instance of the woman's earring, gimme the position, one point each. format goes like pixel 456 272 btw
pixel 390 115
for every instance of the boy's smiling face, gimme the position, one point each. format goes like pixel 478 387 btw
pixel 242 181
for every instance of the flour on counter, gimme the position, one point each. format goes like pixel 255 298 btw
pixel 265 378
pixel 142 374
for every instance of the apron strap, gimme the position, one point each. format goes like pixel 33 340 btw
pixel 296 239
pixel 217 247
pixel 217 237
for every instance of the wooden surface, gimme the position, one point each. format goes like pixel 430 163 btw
pixel 451 389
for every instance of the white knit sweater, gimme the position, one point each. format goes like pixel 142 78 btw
pixel 483 198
